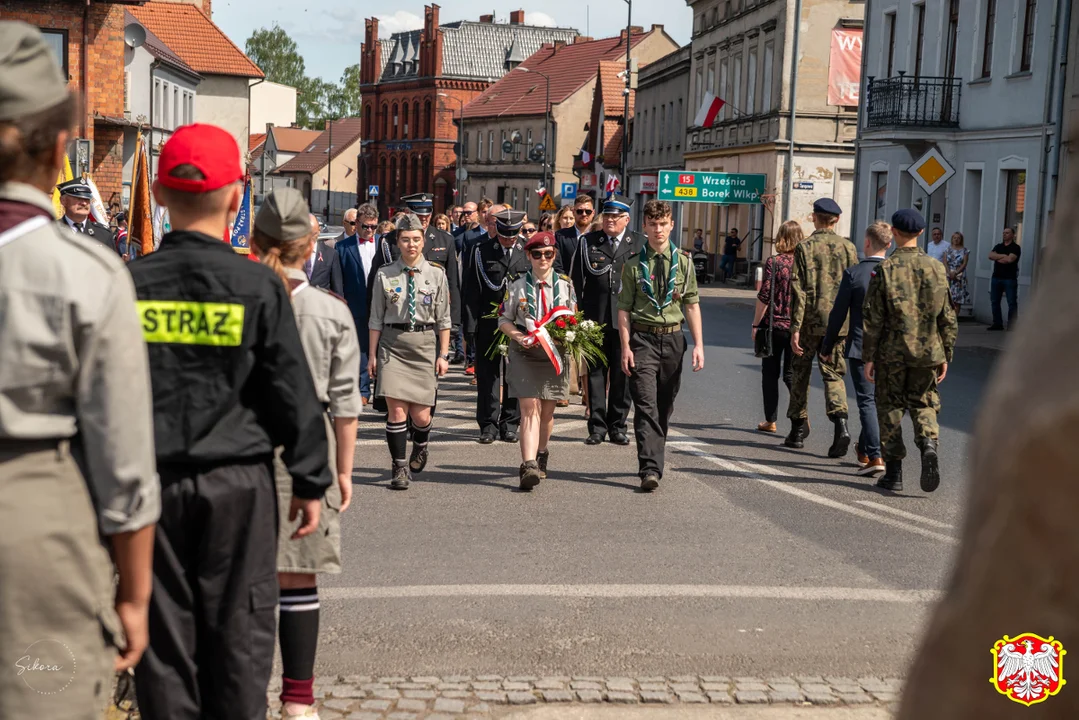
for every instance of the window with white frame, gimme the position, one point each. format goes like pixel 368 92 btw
pixel 889 45
pixel 767 80
pixel 736 82
pixel 490 145
pixel 479 145
pixel 1030 8
pixel 1015 201
pixel 880 195
pixel 751 81
pixel 987 37
pixel 502 146
pixel 175 107
pixel 700 85
pixel 722 91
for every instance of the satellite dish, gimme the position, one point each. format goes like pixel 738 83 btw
pixel 134 35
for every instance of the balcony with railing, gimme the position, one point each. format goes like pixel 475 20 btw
pixel 913 102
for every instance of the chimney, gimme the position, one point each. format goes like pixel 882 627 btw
pixel 582 39
pixel 635 29
pixel 489 19
pixel 207 8
pixel 558 45
pixel 517 17
pixel 656 28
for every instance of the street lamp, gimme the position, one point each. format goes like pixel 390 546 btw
pixel 546 125
pixel 625 94
pixel 460 143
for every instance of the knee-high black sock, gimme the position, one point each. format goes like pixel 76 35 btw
pixel 397 439
pixel 421 435
pixel 299 641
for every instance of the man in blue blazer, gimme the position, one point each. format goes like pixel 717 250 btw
pixel 850 299
pixel 356 252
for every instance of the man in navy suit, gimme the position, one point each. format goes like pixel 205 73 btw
pixel 356 252
pixel 850 299
pixel 569 238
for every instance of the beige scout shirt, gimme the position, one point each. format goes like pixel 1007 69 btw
pixel 389 297
pixel 515 306
pixel 328 334
pixel 73 361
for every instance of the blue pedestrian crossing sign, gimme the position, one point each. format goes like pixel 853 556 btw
pixel 569 191
pixel 372 191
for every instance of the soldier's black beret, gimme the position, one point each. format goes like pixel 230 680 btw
pixel 827 206
pixel 908 221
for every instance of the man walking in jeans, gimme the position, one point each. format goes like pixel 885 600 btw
pixel 849 300
pixel 1005 257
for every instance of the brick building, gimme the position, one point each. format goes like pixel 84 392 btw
pixel 89 42
pixel 414 85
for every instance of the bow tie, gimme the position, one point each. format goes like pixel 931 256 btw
pixel 362 241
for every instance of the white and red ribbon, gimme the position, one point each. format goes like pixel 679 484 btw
pixel 537 333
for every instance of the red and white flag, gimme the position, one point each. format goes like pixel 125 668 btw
pixel 586 157
pixel 709 111
pixel 613 184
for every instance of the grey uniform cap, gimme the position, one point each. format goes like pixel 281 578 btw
pixel 284 215
pixel 30 78
pixel 408 221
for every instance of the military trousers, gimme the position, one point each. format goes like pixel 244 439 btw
pixel 57 625
pixel 654 384
pixel 902 389
pixel 832 373
pixel 212 624
pixel 608 389
pixel 496 411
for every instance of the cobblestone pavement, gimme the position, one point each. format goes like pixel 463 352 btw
pixel 353 697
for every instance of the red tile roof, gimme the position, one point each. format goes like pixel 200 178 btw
pixel 345 133
pixel 195 39
pixel 569 68
pixel 608 94
pixel 294 140
pixel 255 141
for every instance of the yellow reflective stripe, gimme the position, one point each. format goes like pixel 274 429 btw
pixel 192 323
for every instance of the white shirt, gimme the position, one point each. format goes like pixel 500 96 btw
pixel 367 253
pixel 617 240
pixel 77 227
pixel 936 250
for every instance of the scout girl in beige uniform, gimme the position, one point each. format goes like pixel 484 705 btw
pixel 410 304
pixel 531 376
pixel 283 239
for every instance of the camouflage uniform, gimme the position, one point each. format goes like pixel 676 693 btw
pixel 818 268
pixel 910 331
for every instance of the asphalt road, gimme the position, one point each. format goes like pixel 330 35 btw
pixel 749 560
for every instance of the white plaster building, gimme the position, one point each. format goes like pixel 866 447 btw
pixel 981 81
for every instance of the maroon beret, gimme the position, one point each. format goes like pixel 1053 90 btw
pixel 541 240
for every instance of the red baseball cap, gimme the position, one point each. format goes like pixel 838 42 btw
pixel 210 149
pixel 541 240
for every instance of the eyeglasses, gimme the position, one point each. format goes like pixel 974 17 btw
pixel 368 227
pixel 348 222
pixel 528 231
pixel 583 211
pixel 542 254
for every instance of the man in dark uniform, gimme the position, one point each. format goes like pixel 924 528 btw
pixel 438 247
pixel 230 383
pixel 568 239
pixel 596 269
pixel 75 197
pixel 495 262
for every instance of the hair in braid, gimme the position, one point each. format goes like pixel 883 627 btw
pixel 277 254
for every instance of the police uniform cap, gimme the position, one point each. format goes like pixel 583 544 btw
pixel 508 222
pixel 540 240
pixel 908 221
pixel 284 215
pixel 827 206
pixel 408 221
pixel 30 77
pixel 76 188
pixel 616 205
pixel 420 203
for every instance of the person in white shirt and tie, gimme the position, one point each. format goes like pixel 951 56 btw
pixel 75 197
pixel 356 253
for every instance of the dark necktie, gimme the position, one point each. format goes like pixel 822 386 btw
pixel 660 283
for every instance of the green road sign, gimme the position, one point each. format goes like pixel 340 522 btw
pixel 711 187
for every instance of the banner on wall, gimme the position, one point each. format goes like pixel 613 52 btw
pixel 845 67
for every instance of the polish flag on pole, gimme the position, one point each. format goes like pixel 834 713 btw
pixel 612 184
pixel 706 116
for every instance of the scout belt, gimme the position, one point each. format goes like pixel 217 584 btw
pixel 411 328
pixel 656 329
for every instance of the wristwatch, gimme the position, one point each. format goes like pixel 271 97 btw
pixel 446 356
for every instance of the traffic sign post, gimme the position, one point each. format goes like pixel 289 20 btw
pixel 372 191
pixel 547 204
pixel 711 187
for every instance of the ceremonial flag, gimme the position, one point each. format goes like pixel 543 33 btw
pixel 241 226
pixel 613 184
pixel 706 116
pixel 97 208
pixel 140 221
pixel 65 175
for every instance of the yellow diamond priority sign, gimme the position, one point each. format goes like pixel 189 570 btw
pixel 931 171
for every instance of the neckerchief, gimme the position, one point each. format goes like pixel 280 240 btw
pixel 532 291
pixel 646 278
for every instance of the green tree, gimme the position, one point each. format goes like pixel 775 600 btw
pixel 347 99
pixel 276 55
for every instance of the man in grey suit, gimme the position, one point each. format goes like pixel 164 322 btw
pixel 850 299
pixel 349 221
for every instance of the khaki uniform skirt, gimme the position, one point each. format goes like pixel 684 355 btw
pixel 406 366
pixel 319 552
pixel 530 374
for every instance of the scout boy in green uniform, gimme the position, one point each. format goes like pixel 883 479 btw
pixel 909 334
pixel 659 291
